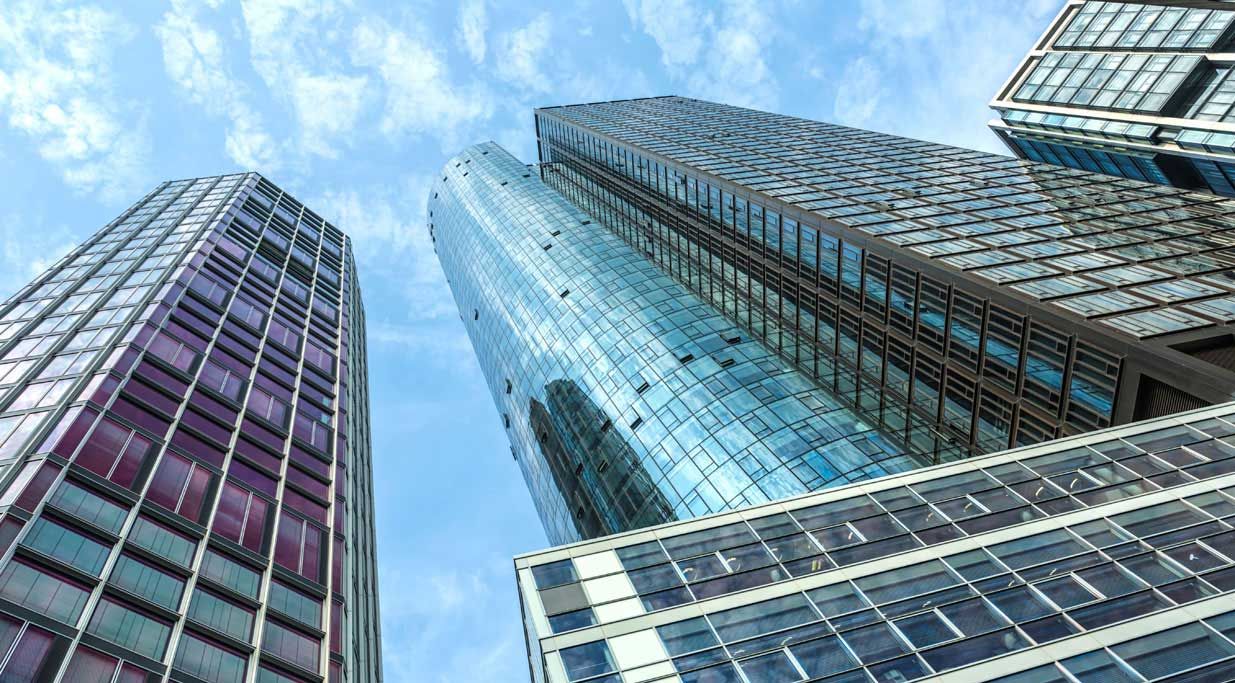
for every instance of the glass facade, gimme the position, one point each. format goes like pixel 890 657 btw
pixel 628 400
pixel 1104 557
pixel 1132 88
pixel 182 401
pixel 966 301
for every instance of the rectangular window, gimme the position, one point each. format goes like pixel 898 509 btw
pixel 299 547
pixel 294 604
pixel 89 506
pixel 67 545
pixel 220 614
pixel 155 585
pixel 129 628
pixel 207 661
pixel 182 486
pixel 158 539
pixel 242 517
pixel 43 591
pixel 231 574
pixel 115 452
pixel 91 665
pixel 291 646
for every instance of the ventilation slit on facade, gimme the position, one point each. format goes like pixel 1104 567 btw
pixel 734 340
pixel 606 426
pixel 638 421
pixel 564 293
pixel 475 314
pixel 727 362
pixel 509 386
pixel 642 388
pixel 687 358
pixel 506 420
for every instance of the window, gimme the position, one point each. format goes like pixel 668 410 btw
pixel 158 539
pixel 266 406
pixel 220 614
pixel 43 591
pixel 115 452
pixel 291 646
pixel 16 430
pixel 92 665
pixel 313 432
pixel 221 380
pixel 229 573
pixel 319 358
pixel 765 617
pixel 129 628
pixel 172 351
pixel 67 545
pixel 242 517
pixel 155 585
pixel 204 659
pixel 283 335
pixel 294 604
pixel 181 486
pixel 89 506
pixel 298 547
pixel 27 488
pixel 585 661
pixel 30 661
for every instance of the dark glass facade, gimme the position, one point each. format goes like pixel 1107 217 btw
pixel 628 400
pixel 187 487
pixel 1138 89
pixel 1104 557
pixel 965 301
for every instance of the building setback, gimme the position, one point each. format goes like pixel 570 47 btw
pixel 628 400
pixel 187 489
pixel 1108 556
pixel 1138 89
pixel 966 301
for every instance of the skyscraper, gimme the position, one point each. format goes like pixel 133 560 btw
pixel 628 400
pixel 958 299
pixel 187 487
pixel 1108 556
pixel 1139 89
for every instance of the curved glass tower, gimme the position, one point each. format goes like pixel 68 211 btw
pixel 628 400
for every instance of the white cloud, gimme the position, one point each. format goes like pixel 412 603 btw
pixel 193 56
pixel 860 93
pixel 679 27
pixel 56 88
pixel 420 96
pixel 473 23
pixel 520 51
pixel 931 66
pixel 717 51
pixel 27 247
pixel 293 48
pixel 735 69
pixel 328 107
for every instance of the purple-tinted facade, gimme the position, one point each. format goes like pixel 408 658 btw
pixel 186 491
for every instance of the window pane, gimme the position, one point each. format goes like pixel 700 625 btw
pixel 67 545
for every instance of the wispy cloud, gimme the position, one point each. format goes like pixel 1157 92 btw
pixel 56 87
pixel 520 52
pixel 472 23
pixel 940 60
pixel 292 47
pixel 420 95
pixel 193 55
pixel 714 50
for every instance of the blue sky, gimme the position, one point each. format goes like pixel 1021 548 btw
pixel 352 106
